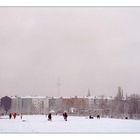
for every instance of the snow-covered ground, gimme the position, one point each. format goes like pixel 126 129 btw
pixel 40 124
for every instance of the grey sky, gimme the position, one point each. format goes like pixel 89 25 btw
pixel 82 48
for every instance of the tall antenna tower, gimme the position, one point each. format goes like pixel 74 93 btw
pixel 88 94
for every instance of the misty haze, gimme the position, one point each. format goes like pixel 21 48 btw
pixel 66 51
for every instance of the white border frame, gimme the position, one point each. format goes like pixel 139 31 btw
pixel 69 3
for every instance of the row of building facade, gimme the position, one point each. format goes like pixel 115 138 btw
pixel 110 107
pixel 43 105
pixel 25 105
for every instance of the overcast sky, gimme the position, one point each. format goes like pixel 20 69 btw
pixel 64 51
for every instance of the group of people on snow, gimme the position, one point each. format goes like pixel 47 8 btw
pixel 14 114
pixel 92 117
pixel 65 115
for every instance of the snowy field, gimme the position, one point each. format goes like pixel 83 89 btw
pixel 40 124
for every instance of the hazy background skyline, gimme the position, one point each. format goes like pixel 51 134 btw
pixel 64 51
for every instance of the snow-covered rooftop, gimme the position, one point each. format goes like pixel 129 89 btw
pixel 63 97
pixel 37 97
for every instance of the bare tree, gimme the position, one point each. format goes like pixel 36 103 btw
pixel 6 103
pixel 133 104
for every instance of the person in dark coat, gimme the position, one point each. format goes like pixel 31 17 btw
pixel 65 115
pixel 49 117
pixel 10 116
pixel 21 115
pixel 90 117
pixel 98 116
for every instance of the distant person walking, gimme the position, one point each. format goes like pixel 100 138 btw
pixel 49 117
pixel 21 116
pixel 10 116
pixel 14 115
pixel 98 116
pixel 65 115
pixel 91 117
